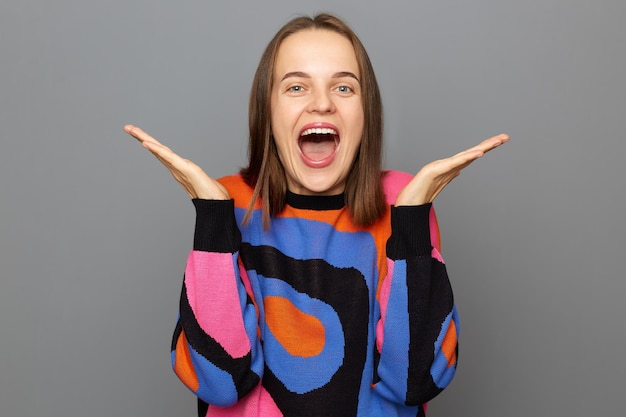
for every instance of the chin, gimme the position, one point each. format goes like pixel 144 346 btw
pixel 323 187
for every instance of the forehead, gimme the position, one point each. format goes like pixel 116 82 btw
pixel 316 51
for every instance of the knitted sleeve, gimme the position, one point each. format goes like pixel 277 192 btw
pixel 215 349
pixel 418 329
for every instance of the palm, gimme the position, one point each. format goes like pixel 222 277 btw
pixel 435 176
pixel 190 176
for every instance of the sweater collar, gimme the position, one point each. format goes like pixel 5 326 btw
pixel 316 202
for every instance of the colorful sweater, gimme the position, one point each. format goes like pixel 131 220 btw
pixel 315 316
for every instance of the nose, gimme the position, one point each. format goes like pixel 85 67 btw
pixel 321 102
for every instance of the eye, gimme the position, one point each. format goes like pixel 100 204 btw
pixel 295 89
pixel 344 89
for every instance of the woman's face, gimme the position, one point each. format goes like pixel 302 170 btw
pixel 316 110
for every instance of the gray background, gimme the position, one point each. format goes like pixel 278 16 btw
pixel 94 233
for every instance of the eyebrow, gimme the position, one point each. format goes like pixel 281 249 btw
pixel 300 74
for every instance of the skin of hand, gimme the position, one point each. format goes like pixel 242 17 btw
pixel 435 176
pixel 190 176
pixel 422 189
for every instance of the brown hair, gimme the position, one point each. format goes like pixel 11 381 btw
pixel 363 192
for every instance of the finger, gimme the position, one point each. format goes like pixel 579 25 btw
pixel 464 158
pixel 460 160
pixel 139 134
pixel 164 154
pixel 164 161
pixel 488 144
pixel 493 142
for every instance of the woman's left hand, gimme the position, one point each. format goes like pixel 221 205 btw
pixel 434 177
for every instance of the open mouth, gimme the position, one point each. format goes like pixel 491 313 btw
pixel 318 144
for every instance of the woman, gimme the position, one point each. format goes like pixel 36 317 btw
pixel 315 286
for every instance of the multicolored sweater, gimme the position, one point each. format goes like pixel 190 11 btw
pixel 315 316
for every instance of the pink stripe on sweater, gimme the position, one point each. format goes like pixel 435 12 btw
pixel 393 183
pixel 434 236
pixel 212 293
pixel 383 300
pixel 258 403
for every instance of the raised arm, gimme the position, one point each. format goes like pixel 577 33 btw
pixel 215 352
pixel 418 331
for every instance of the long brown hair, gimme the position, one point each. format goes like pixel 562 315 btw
pixel 265 173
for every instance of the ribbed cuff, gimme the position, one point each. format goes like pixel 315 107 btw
pixel 216 228
pixel 410 232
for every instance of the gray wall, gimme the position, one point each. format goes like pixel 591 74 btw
pixel 94 233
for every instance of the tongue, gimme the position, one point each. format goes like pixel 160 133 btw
pixel 318 149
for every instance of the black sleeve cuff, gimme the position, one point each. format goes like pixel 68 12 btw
pixel 410 232
pixel 216 228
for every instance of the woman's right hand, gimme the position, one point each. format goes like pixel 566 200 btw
pixel 190 176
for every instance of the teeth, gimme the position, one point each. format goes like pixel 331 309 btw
pixel 319 131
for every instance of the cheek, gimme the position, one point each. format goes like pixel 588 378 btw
pixel 356 134
pixel 358 127
pixel 279 118
pixel 354 150
pixel 275 113
pixel 283 148
pixel 356 117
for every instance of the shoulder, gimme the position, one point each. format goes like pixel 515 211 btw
pixel 393 183
pixel 237 189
